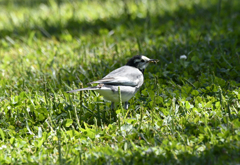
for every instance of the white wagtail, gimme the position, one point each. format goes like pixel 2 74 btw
pixel 128 77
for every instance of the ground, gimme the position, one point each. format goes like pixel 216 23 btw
pixel 187 111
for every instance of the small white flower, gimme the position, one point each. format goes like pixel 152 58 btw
pixel 3 146
pixel 97 136
pixel 183 57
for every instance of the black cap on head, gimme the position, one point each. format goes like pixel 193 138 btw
pixel 131 61
pixel 140 62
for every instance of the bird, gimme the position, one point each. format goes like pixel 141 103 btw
pixel 129 78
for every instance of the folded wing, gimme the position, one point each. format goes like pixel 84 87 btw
pixel 125 75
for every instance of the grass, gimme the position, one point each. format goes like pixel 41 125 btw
pixel 187 111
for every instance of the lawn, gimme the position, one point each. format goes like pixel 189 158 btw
pixel 187 111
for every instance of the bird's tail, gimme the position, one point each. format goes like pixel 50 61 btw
pixel 82 89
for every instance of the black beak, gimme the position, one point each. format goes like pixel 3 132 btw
pixel 153 61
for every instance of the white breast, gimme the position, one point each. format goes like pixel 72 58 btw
pixel 110 92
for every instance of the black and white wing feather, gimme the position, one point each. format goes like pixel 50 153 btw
pixel 125 75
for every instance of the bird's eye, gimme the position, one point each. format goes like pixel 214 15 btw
pixel 142 60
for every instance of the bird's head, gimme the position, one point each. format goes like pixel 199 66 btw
pixel 140 62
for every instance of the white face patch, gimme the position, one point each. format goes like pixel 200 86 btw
pixel 145 58
pixel 141 60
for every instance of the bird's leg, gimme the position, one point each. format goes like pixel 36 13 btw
pixel 112 106
pixel 126 105
pixel 113 111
